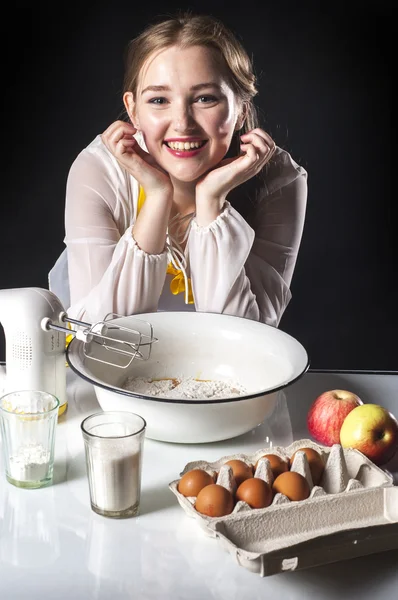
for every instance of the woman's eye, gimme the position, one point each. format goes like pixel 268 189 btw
pixel 157 101
pixel 206 99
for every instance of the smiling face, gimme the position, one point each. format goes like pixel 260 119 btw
pixel 186 110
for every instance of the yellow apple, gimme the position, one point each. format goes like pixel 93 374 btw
pixel 373 430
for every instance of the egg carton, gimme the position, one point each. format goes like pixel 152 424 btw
pixel 352 512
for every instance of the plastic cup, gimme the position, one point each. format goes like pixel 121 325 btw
pixel 113 449
pixel 28 423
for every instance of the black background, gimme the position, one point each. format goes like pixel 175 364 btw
pixel 324 74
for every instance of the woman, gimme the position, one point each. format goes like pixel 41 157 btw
pixel 188 205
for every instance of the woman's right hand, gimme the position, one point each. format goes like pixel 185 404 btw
pixel 119 140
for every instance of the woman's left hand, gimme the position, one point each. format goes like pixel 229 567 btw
pixel 257 149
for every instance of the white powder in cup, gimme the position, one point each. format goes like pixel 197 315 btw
pixel 115 482
pixel 30 463
pixel 114 471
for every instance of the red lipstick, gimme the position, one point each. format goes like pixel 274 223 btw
pixel 185 153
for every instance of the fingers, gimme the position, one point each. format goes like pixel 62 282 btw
pixel 117 129
pixel 262 144
pixel 116 132
pixel 120 141
pixel 257 149
pixel 251 152
pixel 268 139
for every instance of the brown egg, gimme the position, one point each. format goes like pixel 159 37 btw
pixel 240 470
pixel 291 484
pixel 278 465
pixel 193 481
pixel 315 462
pixel 214 501
pixel 256 492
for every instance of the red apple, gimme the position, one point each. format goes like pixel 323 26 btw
pixel 372 430
pixel 327 413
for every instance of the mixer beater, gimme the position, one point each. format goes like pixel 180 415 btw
pixel 129 342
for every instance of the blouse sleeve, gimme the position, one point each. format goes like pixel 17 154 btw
pixel 108 272
pixel 247 272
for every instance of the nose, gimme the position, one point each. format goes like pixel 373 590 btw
pixel 183 120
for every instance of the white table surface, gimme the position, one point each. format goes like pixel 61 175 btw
pixel 52 545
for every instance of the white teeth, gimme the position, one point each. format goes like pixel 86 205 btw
pixel 184 145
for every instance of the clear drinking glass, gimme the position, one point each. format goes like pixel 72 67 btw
pixel 28 423
pixel 113 449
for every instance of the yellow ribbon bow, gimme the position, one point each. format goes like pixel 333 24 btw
pixel 177 284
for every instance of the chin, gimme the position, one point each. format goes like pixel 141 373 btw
pixel 186 179
pixel 186 175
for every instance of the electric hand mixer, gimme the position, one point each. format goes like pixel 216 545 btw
pixel 34 320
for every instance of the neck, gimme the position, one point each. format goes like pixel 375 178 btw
pixel 183 197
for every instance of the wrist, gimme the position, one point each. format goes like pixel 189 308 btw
pixel 150 228
pixel 207 210
pixel 160 197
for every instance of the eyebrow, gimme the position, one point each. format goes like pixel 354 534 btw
pixel 194 88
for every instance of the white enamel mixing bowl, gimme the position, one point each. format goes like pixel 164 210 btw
pixel 206 346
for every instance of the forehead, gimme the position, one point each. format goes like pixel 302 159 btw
pixel 183 66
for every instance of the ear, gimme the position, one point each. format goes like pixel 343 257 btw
pixel 128 100
pixel 241 117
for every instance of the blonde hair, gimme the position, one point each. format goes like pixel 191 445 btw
pixel 185 30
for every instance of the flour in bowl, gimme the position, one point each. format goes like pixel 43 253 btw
pixel 187 388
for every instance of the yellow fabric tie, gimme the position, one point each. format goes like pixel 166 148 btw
pixel 177 284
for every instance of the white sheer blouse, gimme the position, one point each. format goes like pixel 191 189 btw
pixel 234 268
